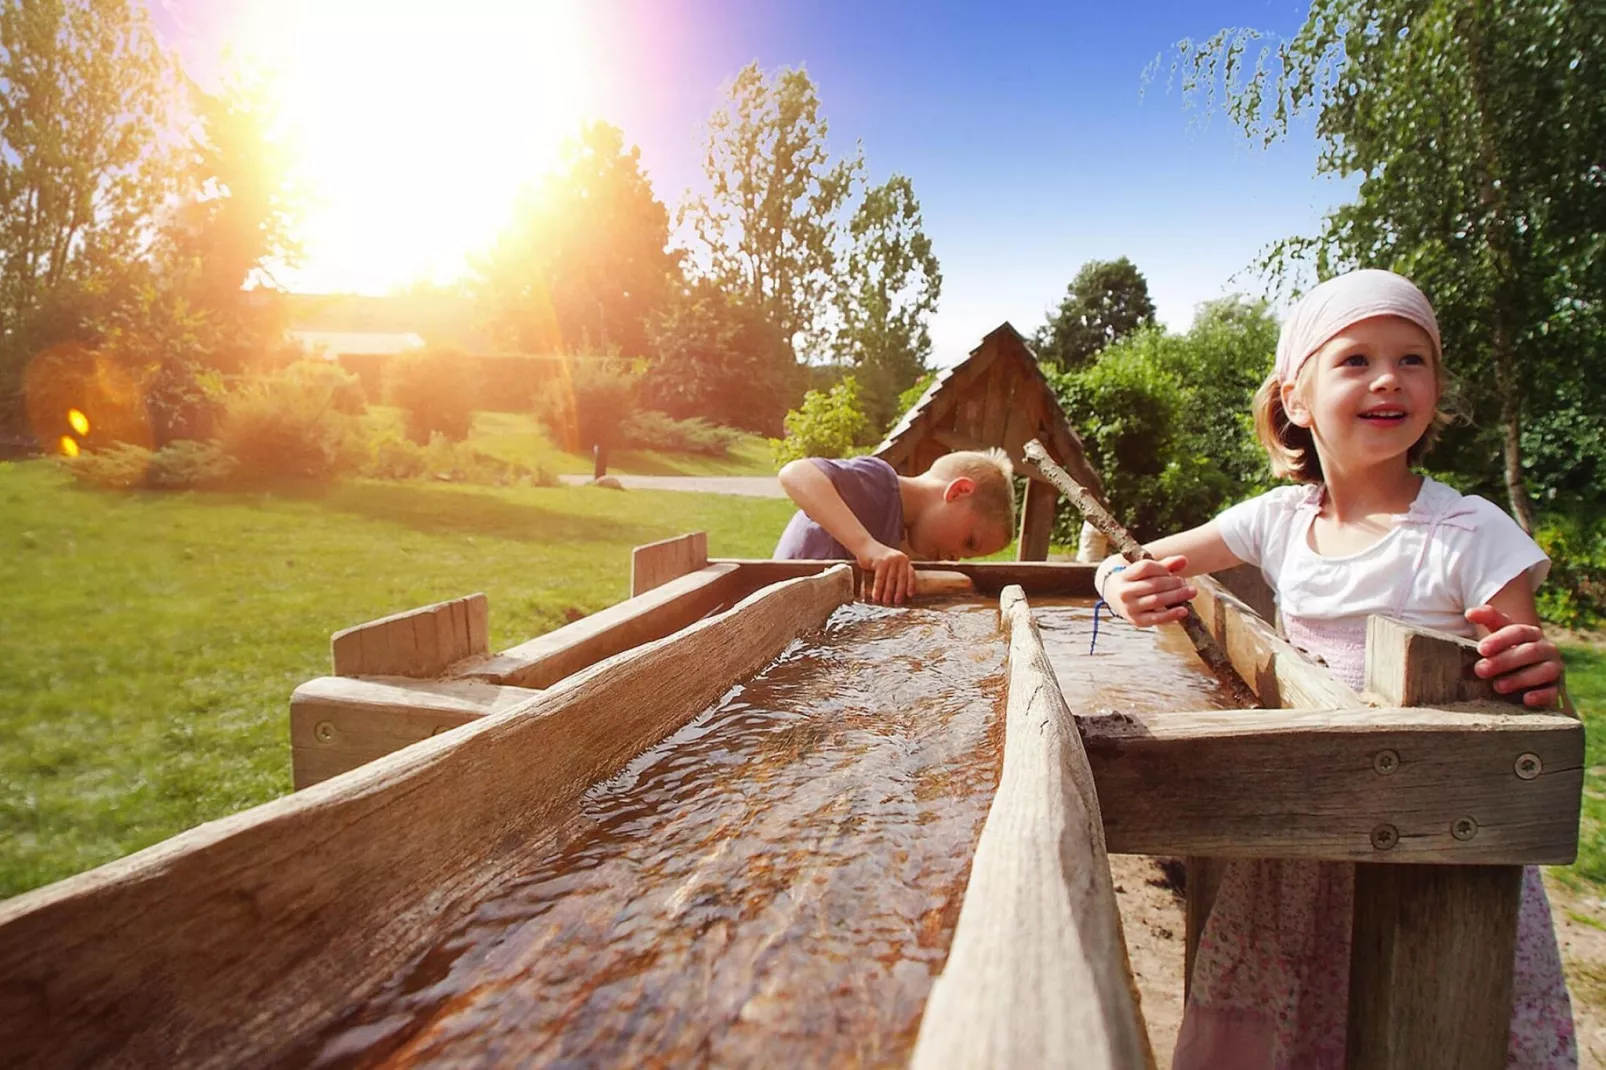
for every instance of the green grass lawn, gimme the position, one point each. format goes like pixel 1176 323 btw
pixel 1586 682
pixel 149 642
pixel 518 437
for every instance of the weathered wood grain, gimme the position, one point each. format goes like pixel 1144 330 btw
pixel 229 944
pixel 1037 974
pixel 337 723
pixel 1068 579
pixel 1409 666
pixel 1318 784
pixel 656 563
pixel 1280 675
pixel 546 659
pixel 1037 521
pixel 421 642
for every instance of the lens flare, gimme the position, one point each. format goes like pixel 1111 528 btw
pixel 79 422
pixel 69 446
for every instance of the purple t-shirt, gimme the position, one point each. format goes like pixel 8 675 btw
pixel 869 487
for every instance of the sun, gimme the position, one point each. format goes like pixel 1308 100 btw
pixel 416 124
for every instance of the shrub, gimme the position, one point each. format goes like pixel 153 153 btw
pixel 1575 594
pixel 589 406
pixel 289 425
pixel 458 462
pixel 828 424
pixel 177 466
pixel 345 389
pixel 649 430
pixel 435 387
pixel 390 456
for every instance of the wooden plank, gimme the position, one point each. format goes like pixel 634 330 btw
pixel 478 612
pixel 656 563
pixel 337 723
pixel 1407 666
pixel 543 661
pixel 1431 966
pixel 1000 392
pixel 1279 674
pixel 1246 584
pixel 1319 784
pixel 1037 974
pixel 1433 948
pixel 231 944
pixel 1067 579
pixel 415 643
pixel 1037 521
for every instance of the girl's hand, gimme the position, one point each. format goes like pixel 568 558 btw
pixel 1517 657
pixel 1148 592
pixel 894 574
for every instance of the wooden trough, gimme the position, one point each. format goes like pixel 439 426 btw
pixel 230 944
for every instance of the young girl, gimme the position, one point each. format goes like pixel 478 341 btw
pixel 1352 404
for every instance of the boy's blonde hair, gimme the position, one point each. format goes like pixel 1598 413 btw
pixel 994 477
pixel 1292 449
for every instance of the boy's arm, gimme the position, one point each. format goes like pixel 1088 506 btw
pixel 814 493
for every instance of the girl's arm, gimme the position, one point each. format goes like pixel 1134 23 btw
pixel 1153 592
pixel 1516 654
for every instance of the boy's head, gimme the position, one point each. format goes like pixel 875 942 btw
pixel 971 509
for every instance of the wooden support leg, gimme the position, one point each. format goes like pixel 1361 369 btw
pixel 1036 521
pixel 1431 965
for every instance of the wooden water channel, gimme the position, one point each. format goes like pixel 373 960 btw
pixel 429 766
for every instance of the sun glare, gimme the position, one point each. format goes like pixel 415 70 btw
pixel 416 124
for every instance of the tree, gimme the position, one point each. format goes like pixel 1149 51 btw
pixel 769 223
pixel 828 424
pixel 86 97
pixel 584 262
pixel 888 291
pixel 1108 300
pixel 1476 129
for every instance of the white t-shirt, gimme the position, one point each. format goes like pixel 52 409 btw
pixel 1450 552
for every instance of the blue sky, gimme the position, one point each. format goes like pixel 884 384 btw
pixel 1026 129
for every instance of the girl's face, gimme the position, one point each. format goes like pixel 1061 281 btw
pixel 1368 394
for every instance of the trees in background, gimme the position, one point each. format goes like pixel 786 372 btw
pixel 1108 300
pixel 1477 131
pixel 584 263
pixel 889 290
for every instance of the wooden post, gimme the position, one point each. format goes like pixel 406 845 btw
pixel 1036 521
pixel 1433 947
pixel 657 563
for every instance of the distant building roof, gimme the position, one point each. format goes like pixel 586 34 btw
pixel 442 319
pixel 332 345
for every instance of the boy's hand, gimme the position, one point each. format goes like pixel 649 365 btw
pixel 1517 657
pixel 1148 592
pixel 894 574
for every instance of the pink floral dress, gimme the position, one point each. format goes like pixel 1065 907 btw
pixel 1270 983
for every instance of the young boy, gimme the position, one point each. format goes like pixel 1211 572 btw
pixel 861 510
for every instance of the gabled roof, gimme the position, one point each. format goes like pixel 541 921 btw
pixel 998 396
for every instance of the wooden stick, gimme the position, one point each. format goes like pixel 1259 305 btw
pixel 1132 550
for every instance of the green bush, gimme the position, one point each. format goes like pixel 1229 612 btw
pixel 179 465
pixel 590 405
pixel 344 388
pixel 435 388
pixel 458 462
pixel 828 424
pixel 289 425
pixel 649 430
pixel 1575 594
pixel 390 456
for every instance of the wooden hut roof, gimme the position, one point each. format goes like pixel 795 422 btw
pixel 997 396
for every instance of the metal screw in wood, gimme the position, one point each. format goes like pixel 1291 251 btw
pixel 1385 762
pixel 1529 766
pixel 1384 837
pixel 324 732
pixel 1464 828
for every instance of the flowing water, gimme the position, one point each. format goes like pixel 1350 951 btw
pixel 774 884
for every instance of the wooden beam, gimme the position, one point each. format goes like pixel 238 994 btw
pixel 337 723
pixel 1037 974
pixel 234 943
pixel 1037 521
pixel 1443 785
pixel 656 563
pixel 1433 948
pixel 1431 966
pixel 1407 666
pixel 1068 579
pixel 1280 675
pixel 543 661
pixel 421 642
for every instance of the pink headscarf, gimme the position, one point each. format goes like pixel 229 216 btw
pixel 1345 300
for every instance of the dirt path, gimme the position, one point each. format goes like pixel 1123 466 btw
pixel 1151 915
pixel 741 486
